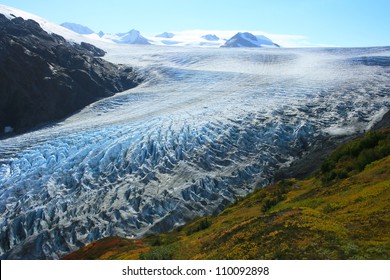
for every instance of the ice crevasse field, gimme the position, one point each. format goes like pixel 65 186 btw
pixel 206 126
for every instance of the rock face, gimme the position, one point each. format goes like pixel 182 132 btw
pixel 94 51
pixel 44 78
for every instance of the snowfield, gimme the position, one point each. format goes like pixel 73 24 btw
pixel 206 126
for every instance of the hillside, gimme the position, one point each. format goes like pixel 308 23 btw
pixel 341 213
pixel 45 78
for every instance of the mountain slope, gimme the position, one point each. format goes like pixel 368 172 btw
pixel 345 218
pixel 45 78
pixel 132 37
pixel 49 27
pixel 248 40
pixel 210 37
pixel 167 35
pixel 78 28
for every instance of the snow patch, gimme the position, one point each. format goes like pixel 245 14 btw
pixel 377 117
pixel 8 129
pixel 340 131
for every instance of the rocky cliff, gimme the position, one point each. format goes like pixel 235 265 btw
pixel 43 77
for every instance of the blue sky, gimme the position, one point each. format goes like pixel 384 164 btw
pixel 345 23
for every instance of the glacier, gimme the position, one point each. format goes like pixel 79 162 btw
pixel 207 126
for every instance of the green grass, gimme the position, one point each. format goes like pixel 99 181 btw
pixel 354 156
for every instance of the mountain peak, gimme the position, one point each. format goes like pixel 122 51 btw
pixel 210 37
pixel 167 35
pixel 132 37
pixel 248 40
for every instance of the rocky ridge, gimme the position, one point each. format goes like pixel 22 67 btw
pixel 45 78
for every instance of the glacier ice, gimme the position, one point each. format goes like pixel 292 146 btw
pixel 206 127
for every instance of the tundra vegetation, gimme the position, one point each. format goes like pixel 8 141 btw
pixel 341 212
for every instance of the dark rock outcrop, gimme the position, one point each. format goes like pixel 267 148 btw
pixel 94 51
pixel 44 78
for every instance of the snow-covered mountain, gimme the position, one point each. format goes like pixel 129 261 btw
pixel 190 38
pixel 248 40
pixel 49 27
pixel 78 28
pixel 167 35
pixel 133 37
pixel 210 37
pixel 196 38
